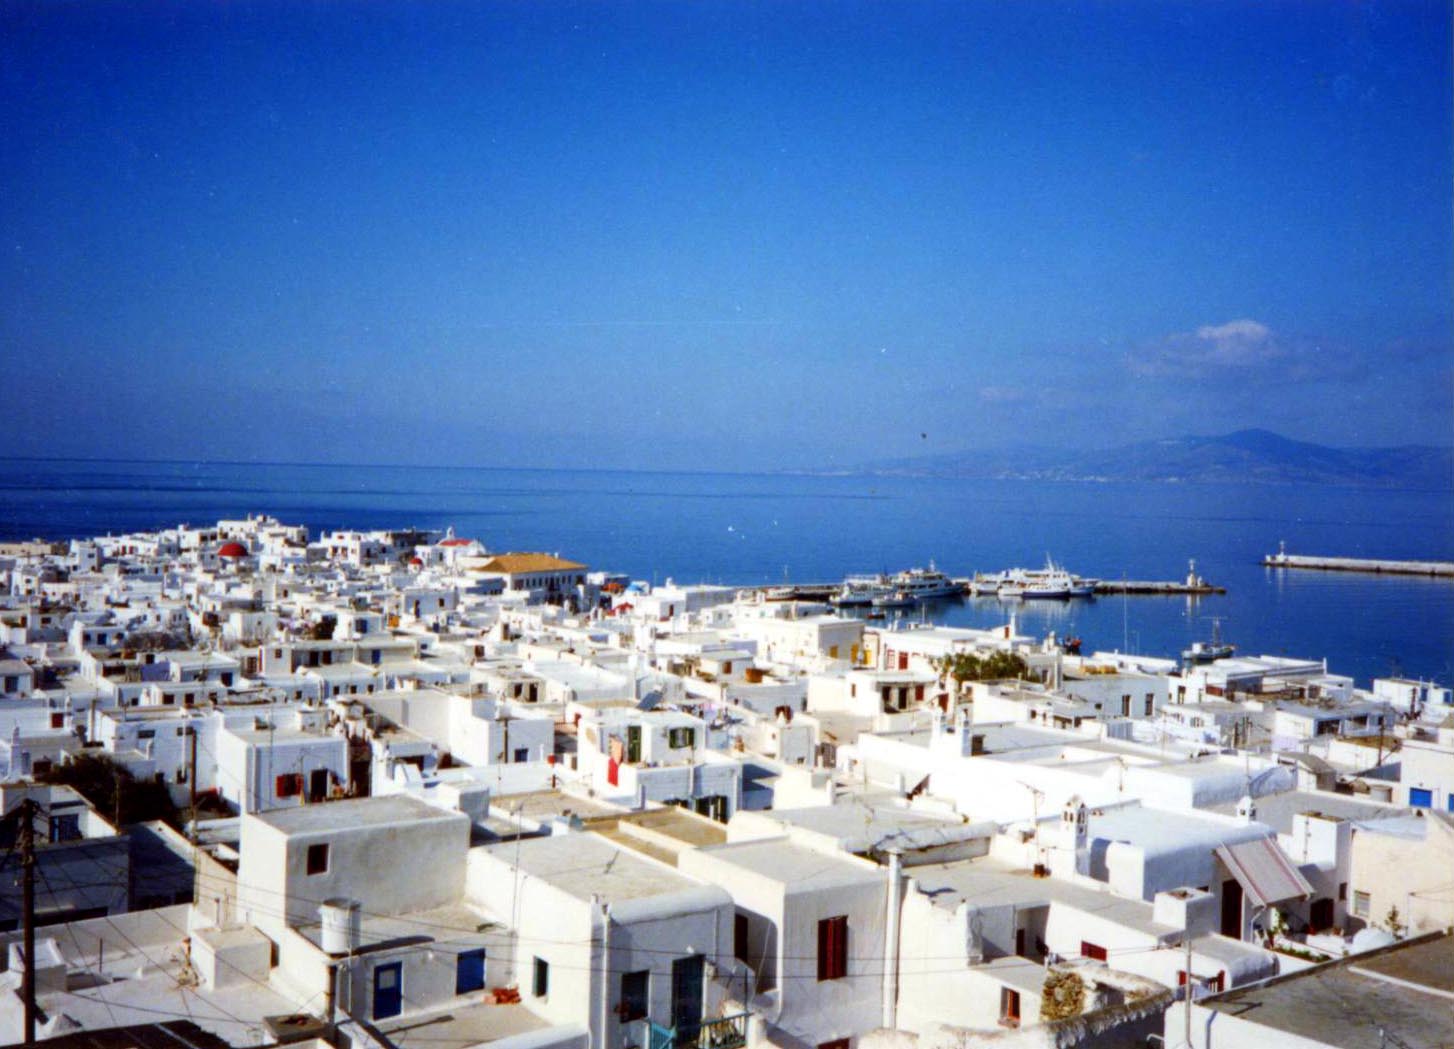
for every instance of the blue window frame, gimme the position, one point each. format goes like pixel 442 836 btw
pixel 1421 798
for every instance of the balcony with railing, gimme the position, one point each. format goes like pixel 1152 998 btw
pixel 724 1032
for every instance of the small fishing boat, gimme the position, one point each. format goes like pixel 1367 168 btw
pixel 895 599
pixel 1207 651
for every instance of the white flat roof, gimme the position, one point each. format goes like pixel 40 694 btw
pixel 797 867
pixel 991 883
pixel 355 812
pixel 587 864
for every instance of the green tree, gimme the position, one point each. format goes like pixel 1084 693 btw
pixel 157 640
pixel 114 792
pixel 966 666
pixel 1394 923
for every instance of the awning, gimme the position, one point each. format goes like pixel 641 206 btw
pixel 1265 874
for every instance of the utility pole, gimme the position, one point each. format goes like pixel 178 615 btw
pixel 27 866
pixel 192 824
pixel 1189 985
pixel 192 779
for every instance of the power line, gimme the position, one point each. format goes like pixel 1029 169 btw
pixel 159 965
pixel 281 913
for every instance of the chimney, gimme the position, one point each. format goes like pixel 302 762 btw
pixel 891 940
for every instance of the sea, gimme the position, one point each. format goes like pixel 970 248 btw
pixel 769 528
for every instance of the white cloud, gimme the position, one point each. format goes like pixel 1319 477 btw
pixel 1237 345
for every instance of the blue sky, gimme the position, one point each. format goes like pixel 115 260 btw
pixel 719 235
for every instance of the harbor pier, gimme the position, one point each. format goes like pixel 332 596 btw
pixel 1283 559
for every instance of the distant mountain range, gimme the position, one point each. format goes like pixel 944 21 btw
pixel 1241 457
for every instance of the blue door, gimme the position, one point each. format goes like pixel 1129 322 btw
pixel 1420 798
pixel 469 971
pixel 686 998
pixel 388 990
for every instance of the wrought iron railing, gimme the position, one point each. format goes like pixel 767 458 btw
pixel 724 1032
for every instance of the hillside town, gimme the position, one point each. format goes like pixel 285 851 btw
pixel 399 790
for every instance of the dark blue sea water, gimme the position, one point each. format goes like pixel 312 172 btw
pixel 740 528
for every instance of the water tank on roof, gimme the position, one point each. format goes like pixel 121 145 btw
pixel 341 925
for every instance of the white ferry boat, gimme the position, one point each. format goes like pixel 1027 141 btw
pixel 924 583
pixel 1056 584
pixel 860 590
pixel 1052 581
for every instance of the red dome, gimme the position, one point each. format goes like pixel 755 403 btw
pixel 232 550
pixel 415 561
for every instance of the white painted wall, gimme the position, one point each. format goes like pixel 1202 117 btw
pixel 389 868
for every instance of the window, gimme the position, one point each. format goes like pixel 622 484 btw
pixel 65 828
pixel 1009 1007
pixel 833 948
pixel 522 754
pixel 1342 890
pixel 289 785
pixel 1361 903
pixel 318 859
pixel 1092 950
pixel 1421 798
pixel 56 720
pixel 469 971
pixel 681 737
pixel 739 937
pixel 635 995
pixel 540 982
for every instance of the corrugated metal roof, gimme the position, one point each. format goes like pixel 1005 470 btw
pixel 1266 875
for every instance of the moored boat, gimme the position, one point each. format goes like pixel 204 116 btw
pixel 859 591
pixel 1050 582
pixel 923 583
pixel 895 599
pixel 1209 651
